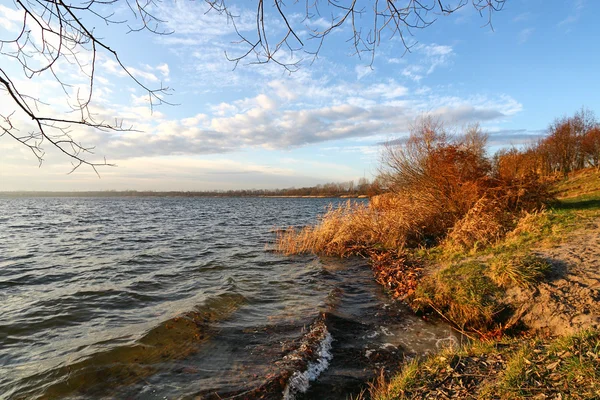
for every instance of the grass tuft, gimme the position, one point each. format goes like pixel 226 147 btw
pixel 462 294
pixel 483 225
pixel 522 270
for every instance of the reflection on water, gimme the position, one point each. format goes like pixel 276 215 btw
pixel 173 297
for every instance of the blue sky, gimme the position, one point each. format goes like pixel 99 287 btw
pixel 258 126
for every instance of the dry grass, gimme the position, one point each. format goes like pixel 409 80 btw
pixel 470 214
pixel 483 225
pixel 567 367
pixel 342 231
pixel 530 223
pixel 389 222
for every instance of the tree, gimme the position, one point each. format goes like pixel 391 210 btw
pixel 56 37
pixel 565 139
pixel 590 146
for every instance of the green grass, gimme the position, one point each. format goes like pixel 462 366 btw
pixel 583 184
pixel 523 270
pixel 462 293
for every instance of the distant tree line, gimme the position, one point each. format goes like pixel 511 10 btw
pixel 363 188
pixel 572 143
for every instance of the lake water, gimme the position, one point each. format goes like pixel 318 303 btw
pixel 154 298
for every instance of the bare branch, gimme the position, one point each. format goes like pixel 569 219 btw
pixel 387 17
pixel 55 32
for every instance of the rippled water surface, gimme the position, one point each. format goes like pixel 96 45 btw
pixel 176 298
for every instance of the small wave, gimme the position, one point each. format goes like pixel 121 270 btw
pixel 306 360
pixel 300 380
pixel 173 339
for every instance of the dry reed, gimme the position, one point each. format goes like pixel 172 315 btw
pixel 483 225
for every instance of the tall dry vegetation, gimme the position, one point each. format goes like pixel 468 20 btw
pixel 443 190
pixel 440 187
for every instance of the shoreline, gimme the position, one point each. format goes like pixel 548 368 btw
pixel 127 194
pixel 519 291
pixel 550 343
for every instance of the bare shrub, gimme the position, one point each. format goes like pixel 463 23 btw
pixel 513 163
pixel 438 186
pixel 441 176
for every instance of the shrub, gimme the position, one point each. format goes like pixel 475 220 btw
pixel 446 176
pixel 439 187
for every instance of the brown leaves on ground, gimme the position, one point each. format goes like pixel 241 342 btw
pixel 399 276
pixel 567 367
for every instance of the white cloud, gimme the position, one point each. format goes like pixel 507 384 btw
pixel 413 72
pixel 435 50
pixel 525 34
pixel 113 67
pixel 266 126
pixel 395 60
pixel 389 90
pixel 163 69
pixel 579 5
pixel 282 90
pixel 522 17
pixel 10 19
pixel 362 71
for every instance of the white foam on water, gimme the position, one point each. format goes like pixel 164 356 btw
pixel 386 331
pixel 446 342
pixel 300 381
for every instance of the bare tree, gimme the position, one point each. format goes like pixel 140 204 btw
pixel 565 140
pixel 56 33
pixel 475 139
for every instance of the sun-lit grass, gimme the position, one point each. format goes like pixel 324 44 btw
pixel 580 184
pixel 388 222
pixel 518 270
pixel 461 293
pixel 346 230
pixel 483 225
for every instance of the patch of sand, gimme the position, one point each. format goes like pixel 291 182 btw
pixel 569 300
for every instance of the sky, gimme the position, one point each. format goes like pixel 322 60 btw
pixel 248 125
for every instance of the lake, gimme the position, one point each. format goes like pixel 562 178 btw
pixel 148 298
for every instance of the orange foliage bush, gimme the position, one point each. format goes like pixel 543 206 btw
pixel 438 186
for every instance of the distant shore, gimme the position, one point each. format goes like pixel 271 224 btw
pixel 128 193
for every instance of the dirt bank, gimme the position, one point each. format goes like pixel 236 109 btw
pixel 569 300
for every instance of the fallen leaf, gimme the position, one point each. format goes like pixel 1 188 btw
pixel 553 365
